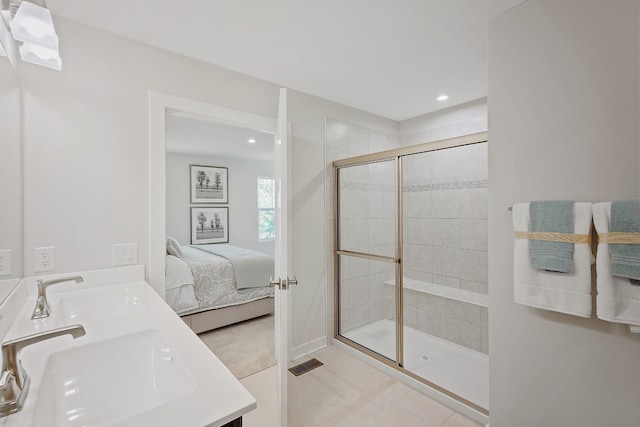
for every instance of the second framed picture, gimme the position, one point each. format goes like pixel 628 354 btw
pixel 209 225
pixel 209 184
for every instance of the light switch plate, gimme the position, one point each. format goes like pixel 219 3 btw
pixel 5 262
pixel 124 254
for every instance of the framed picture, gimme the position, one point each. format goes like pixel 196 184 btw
pixel 209 184
pixel 209 225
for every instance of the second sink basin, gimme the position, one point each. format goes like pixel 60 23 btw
pixel 115 301
pixel 104 382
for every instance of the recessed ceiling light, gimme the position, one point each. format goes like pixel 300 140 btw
pixel 443 97
pixel 251 141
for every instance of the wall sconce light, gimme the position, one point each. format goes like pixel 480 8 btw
pixel 40 55
pixel 32 25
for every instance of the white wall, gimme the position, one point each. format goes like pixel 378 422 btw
pixel 86 155
pixel 243 198
pixel 463 119
pixel 564 106
pixel 86 139
pixel 10 168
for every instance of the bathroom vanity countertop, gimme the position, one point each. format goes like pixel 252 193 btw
pixel 207 395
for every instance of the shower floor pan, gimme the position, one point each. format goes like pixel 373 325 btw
pixel 458 369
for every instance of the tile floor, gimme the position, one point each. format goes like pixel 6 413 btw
pixel 346 392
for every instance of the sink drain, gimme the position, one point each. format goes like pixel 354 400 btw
pixel 424 358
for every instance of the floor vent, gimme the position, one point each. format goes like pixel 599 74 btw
pixel 305 367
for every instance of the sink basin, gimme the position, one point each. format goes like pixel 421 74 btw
pixel 104 382
pixel 138 365
pixel 116 301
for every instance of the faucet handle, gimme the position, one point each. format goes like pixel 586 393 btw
pixel 43 309
pixel 12 397
pixel 5 378
pixel 8 386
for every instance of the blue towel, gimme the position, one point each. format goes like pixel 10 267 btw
pixel 625 259
pixel 554 216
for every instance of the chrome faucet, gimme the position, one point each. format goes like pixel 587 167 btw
pixel 43 309
pixel 14 381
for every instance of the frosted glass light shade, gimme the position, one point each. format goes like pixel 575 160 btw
pixel 40 55
pixel 33 24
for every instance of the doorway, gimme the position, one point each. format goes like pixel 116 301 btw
pixel 159 105
pixel 226 172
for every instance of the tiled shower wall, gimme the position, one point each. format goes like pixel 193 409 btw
pixel 368 218
pixel 445 241
pixel 445 211
pixel 368 221
pixel 455 221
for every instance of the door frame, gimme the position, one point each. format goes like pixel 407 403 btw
pixel 159 105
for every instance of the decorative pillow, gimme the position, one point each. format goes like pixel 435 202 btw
pixel 173 247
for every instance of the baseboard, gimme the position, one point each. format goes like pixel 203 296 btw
pixel 307 348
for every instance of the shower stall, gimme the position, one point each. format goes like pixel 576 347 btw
pixel 411 262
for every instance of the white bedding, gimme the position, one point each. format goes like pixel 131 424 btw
pixel 214 282
pixel 179 282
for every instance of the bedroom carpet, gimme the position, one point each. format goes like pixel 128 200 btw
pixel 246 347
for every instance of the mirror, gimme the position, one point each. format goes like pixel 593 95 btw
pixel 10 179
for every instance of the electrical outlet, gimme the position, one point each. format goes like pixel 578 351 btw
pixel 5 262
pixel 45 259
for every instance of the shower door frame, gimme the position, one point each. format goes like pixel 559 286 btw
pixel 395 155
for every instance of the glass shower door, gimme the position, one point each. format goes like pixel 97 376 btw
pixel 411 263
pixel 366 256
pixel 445 299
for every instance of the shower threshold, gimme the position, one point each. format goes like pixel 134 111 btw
pixel 458 369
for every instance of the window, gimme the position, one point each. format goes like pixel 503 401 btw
pixel 266 208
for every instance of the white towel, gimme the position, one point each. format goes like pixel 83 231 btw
pixel 568 293
pixel 618 300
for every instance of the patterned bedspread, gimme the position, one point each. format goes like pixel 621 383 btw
pixel 214 282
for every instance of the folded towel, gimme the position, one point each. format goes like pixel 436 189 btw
pixel 563 292
pixel 551 216
pixel 625 259
pixel 618 300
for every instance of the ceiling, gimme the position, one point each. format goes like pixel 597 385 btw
pixel 189 135
pixel 387 57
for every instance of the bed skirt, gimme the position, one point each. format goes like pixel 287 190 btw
pixel 217 318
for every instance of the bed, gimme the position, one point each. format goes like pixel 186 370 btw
pixel 210 286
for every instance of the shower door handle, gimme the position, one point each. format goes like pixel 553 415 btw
pixel 293 281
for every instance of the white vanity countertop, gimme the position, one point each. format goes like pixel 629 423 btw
pixel 213 396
